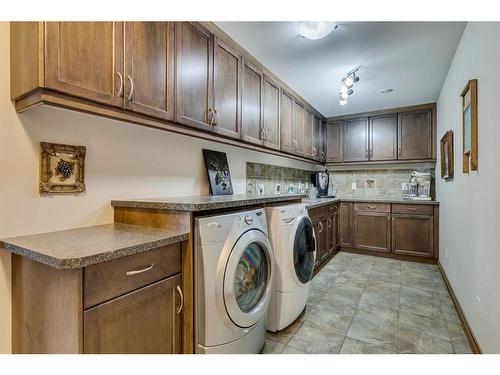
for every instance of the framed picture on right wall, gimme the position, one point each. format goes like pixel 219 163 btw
pixel 469 126
pixel 447 163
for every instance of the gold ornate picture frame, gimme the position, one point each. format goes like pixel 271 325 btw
pixel 469 126
pixel 62 168
pixel 447 162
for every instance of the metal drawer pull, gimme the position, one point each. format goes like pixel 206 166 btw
pixel 370 207
pixel 329 223
pixel 179 290
pixel 120 91
pixel 131 93
pixel 411 208
pixel 320 227
pixel 135 272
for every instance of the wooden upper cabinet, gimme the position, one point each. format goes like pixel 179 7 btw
pixel 85 59
pixel 141 322
pixel 308 134
pixel 317 149
pixel 300 119
pixel 271 113
pixel 415 135
pixel 227 89
pixel 194 75
pixel 383 137
pixel 287 124
pixel 356 139
pixel 149 68
pixel 334 142
pixel 251 103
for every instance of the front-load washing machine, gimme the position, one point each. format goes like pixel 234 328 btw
pixel 234 266
pixel 294 244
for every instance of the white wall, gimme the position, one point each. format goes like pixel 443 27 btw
pixel 123 161
pixel 470 204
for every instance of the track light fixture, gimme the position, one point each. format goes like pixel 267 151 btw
pixel 347 84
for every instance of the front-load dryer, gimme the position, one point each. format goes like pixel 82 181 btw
pixel 234 266
pixel 294 244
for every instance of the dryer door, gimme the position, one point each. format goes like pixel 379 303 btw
pixel 304 250
pixel 247 278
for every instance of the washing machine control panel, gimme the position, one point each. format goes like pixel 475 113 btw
pixel 248 220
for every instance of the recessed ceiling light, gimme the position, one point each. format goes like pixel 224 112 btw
pixel 386 91
pixel 315 30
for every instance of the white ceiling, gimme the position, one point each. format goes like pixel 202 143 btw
pixel 411 57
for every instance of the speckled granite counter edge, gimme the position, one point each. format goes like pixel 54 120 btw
pixel 196 207
pixel 72 263
pixel 368 200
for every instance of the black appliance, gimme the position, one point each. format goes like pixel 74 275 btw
pixel 320 181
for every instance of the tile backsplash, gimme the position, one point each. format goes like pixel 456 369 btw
pixel 379 183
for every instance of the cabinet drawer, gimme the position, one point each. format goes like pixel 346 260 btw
pixel 318 212
pixel 373 207
pixel 108 280
pixel 419 209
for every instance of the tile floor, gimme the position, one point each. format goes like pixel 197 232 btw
pixel 367 304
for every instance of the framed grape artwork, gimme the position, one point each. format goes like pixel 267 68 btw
pixel 62 168
pixel 219 177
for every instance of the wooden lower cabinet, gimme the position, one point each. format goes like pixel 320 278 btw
pixel 333 229
pixel 320 226
pixel 345 214
pixel 325 224
pixel 143 322
pixel 372 231
pixel 413 235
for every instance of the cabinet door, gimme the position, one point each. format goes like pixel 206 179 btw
pixel 334 143
pixel 332 231
pixel 415 135
pixel 271 114
pixel 322 132
pixel 149 68
pixel 251 103
pixel 413 234
pixel 144 321
pixel 372 231
pixel 345 213
pixel 227 92
pixel 308 134
pixel 194 75
pixel 320 231
pixel 317 149
pixel 85 59
pixel 383 137
pixel 287 124
pixel 299 117
pixel 356 139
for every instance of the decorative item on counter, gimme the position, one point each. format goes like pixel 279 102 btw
pixel 447 162
pixel 218 174
pixel 370 183
pixel 277 189
pixel 62 168
pixel 469 123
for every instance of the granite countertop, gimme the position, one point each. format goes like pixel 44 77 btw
pixel 205 203
pixel 77 248
pixel 316 202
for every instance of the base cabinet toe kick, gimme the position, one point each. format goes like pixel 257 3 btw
pixel 396 230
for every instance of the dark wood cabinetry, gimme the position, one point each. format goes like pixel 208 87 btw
pixel 141 322
pixel 149 68
pixel 334 141
pixel 227 89
pixel 251 104
pixel 318 152
pixel 309 134
pixel 333 228
pixel 271 113
pixel 345 223
pixel 383 137
pixel 85 59
pixel 325 224
pixel 415 135
pixel 356 139
pixel 372 229
pixel 194 92
pixel 287 123
pixel 299 112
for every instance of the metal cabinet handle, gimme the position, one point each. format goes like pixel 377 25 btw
pixel 263 133
pixel 320 227
pixel 179 290
pixel 120 90
pixel 131 93
pixel 211 116
pixel 370 207
pixel 399 151
pixel 216 118
pixel 135 272
pixel 322 155
pixel 413 209
pixel 314 151
pixel 329 223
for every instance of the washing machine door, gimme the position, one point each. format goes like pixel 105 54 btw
pixel 247 278
pixel 304 250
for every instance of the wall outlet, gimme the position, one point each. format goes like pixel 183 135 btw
pixel 479 307
pixel 370 183
pixel 353 186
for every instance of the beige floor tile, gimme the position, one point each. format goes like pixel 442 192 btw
pixel 352 346
pixel 377 314
pixel 412 342
pixel 272 347
pixel 375 333
pixel 330 322
pixel 291 350
pixel 424 325
pixel 311 339
pixel 286 334
pixel 420 301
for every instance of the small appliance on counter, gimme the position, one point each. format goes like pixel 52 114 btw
pixel 320 180
pixel 419 186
